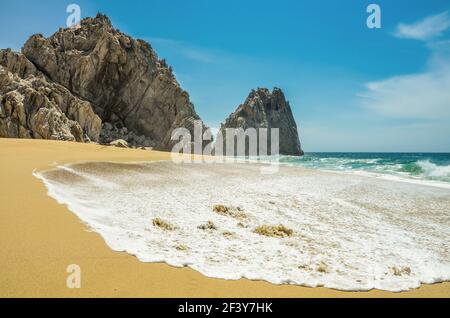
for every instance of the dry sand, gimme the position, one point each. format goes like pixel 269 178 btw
pixel 39 238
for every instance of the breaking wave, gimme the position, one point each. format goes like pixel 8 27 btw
pixel 413 166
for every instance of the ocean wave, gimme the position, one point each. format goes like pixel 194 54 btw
pixel 430 169
pixel 401 165
pixel 427 170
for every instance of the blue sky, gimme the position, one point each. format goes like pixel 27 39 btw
pixel 351 88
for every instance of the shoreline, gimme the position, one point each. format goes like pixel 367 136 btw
pixel 40 238
pixel 371 174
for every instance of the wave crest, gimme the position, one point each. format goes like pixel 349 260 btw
pixel 430 169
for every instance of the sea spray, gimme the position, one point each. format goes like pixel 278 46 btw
pixel 432 170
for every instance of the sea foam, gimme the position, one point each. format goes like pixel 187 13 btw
pixel 432 170
pixel 350 232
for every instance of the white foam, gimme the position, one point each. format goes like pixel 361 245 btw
pixel 383 172
pixel 360 228
pixel 432 170
pixel 399 178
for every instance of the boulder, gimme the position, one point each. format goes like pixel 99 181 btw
pixel 120 143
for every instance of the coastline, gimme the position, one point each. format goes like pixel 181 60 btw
pixel 40 238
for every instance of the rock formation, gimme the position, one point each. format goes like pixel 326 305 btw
pixel 265 109
pixel 33 107
pixel 92 70
pixel 123 79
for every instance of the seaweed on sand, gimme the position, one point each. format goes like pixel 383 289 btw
pixel 235 212
pixel 163 224
pixel 274 231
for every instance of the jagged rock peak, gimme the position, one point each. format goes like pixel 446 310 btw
pixel 100 18
pixel 274 100
pixel 265 109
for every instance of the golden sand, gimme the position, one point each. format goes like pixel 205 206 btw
pixel 39 238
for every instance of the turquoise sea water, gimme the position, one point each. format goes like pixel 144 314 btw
pixel 425 166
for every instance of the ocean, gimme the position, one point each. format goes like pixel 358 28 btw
pixel 412 166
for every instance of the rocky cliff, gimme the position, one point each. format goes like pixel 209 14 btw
pixel 265 109
pixel 120 78
pixel 33 107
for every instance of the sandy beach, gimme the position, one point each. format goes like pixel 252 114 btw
pixel 40 238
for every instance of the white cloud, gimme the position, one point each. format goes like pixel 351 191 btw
pixel 425 29
pixel 423 95
pixel 198 55
pixel 187 50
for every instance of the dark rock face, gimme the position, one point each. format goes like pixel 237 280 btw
pixel 110 133
pixel 122 78
pixel 265 109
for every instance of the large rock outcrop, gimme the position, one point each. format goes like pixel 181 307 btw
pixel 31 106
pixel 95 83
pixel 121 77
pixel 265 109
